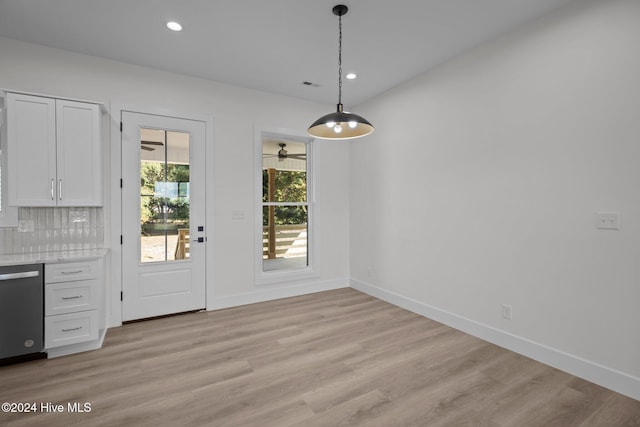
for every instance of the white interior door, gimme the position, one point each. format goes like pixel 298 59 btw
pixel 163 215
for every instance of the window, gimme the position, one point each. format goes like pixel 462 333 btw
pixel 285 205
pixel 8 215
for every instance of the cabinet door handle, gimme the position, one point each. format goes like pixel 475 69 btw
pixel 52 188
pixel 73 297
pixel 72 329
pixel 60 189
pixel 71 272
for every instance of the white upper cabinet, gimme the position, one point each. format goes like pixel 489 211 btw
pixel 31 146
pixel 78 154
pixel 54 152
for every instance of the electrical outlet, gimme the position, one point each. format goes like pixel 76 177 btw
pixel 506 311
pixel 608 220
pixel 78 216
pixel 26 226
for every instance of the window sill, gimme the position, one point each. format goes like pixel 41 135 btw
pixel 289 275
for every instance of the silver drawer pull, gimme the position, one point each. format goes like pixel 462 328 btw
pixel 20 275
pixel 72 329
pixel 71 272
pixel 73 297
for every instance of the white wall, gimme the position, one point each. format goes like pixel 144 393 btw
pixel 480 185
pixel 235 112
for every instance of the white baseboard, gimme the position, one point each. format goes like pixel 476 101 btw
pixel 606 377
pixel 272 293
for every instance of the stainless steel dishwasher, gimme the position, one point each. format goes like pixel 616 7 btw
pixel 21 310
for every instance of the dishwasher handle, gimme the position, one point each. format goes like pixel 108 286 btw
pixel 20 275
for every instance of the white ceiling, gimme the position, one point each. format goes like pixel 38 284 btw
pixel 273 45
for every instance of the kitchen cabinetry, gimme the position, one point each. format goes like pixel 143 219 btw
pixel 54 152
pixel 72 304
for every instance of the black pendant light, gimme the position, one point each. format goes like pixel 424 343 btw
pixel 341 124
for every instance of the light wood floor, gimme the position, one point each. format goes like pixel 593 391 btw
pixel 337 358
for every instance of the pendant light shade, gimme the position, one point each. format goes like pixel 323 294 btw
pixel 340 124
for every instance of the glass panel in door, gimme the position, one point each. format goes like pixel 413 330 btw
pixel 164 195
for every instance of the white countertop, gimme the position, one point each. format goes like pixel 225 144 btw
pixel 51 257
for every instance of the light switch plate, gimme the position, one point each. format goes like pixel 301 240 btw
pixel 608 220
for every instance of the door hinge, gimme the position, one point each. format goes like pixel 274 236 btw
pixel 121 239
pixel 121 296
pixel 120 182
pixel 120 126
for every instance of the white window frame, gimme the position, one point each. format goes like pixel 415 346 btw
pixel 311 270
pixel 8 214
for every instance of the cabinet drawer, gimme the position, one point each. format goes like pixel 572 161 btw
pixel 70 271
pixel 69 297
pixel 65 329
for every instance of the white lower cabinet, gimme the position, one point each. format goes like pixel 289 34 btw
pixel 72 296
pixel 72 328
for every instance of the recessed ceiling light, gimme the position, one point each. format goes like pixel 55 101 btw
pixel 351 76
pixel 174 26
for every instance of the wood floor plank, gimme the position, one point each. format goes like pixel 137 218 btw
pixel 336 358
pixel 351 412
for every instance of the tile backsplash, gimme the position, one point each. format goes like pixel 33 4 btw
pixel 54 229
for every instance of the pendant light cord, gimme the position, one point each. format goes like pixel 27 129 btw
pixel 340 59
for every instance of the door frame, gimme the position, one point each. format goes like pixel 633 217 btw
pixel 113 199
